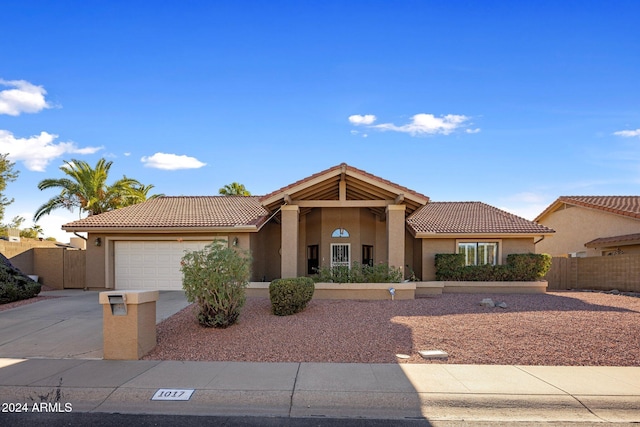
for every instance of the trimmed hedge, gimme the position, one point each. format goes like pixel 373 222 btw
pixel 14 285
pixel 359 273
pixel 519 268
pixel 290 296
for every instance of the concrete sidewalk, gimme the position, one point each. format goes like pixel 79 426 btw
pixel 436 392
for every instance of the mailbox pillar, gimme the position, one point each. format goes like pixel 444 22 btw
pixel 128 323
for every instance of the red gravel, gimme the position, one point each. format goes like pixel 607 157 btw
pixel 558 328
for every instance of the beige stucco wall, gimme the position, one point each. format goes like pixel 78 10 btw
pixel 265 247
pixel 431 247
pixel 576 226
pixel 516 246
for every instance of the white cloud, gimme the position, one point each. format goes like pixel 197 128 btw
pixel 22 97
pixel 37 151
pixel 171 162
pixel 628 133
pixel 421 124
pixel 357 119
pixel 427 124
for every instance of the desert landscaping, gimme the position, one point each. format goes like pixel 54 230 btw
pixel 557 328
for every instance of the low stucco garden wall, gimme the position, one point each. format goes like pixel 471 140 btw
pixel 406 290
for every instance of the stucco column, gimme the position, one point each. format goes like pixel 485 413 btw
pixel 289 241
pixel 395 236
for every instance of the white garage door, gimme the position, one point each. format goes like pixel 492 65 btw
pixel 151 264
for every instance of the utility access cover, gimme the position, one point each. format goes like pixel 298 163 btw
pixel 173 394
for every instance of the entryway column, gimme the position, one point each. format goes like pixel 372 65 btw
pixel 395 236
pixel 289 241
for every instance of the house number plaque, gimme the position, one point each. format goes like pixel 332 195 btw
pixel 173 394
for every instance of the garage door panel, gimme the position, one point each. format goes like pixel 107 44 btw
pixel 151 264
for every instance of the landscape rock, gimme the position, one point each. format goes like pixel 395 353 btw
pixel 501 304
pixel 487 302
pixel 433 354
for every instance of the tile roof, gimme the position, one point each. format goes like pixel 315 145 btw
pixel 613 240
pixel 621 205
pixel 470 217
pixel 179 212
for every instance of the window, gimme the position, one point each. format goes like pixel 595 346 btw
pixel 340 232
pixel 340 254
pixel 477 253
pixel 367 255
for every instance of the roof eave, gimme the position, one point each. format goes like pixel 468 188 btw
pixel 492 235
pixel 164 230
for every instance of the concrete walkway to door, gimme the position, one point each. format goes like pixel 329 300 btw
pixel 69 326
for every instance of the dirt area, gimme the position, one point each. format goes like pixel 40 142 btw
pixel 557 328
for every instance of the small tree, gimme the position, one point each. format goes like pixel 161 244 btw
pixel 234 189
pixel 215 278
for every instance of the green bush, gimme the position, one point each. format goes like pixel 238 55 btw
pixel 14 285
pixel 519 267
pixel 529 267
pixel 216 277
pixel 359 273
pixel 290 296
pixel 449 266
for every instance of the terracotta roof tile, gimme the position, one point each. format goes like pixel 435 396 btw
pixel 621 240
pixel 179 212
pixel 469 217
pixel 621 205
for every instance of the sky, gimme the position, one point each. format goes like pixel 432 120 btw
pixel 510 103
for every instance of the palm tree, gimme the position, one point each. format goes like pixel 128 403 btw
pixel 234 189
pixel 86 188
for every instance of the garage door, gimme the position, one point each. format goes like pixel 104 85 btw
pixel 151 264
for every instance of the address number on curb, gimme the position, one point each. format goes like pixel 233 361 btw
pixel 173 394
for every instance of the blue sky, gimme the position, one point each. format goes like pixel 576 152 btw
pixel 509 103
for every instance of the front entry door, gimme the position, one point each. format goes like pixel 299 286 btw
pixel 340 254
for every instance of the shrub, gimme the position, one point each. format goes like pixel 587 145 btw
pixel 519 267
pixel 359 273
pixel 529 267
pixel 216 277
pixel 290 296
pixel 14 285
pixel 449 266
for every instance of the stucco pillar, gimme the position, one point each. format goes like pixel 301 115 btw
pixel 289 249
pixel 395 236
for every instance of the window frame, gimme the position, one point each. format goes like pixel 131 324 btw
pixel 497 242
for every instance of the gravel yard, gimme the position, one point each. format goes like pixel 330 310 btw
pixel 557 328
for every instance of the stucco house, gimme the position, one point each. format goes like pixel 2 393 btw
pixel 589 226
pixel 335 217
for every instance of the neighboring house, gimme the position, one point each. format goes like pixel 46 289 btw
pixel 335 217
pixel 592 226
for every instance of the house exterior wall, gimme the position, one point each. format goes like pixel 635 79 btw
pixel 100 273
pixel 265 246
pixel 517 246
pixel 431 247
pixel 575 226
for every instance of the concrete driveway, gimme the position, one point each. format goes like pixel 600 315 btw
pixel 69 326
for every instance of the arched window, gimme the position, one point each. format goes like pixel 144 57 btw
pixel 340 232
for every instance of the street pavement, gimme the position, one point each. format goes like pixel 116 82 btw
pixel 50 365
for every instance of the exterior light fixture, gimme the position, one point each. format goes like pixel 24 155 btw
pixel 98 241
